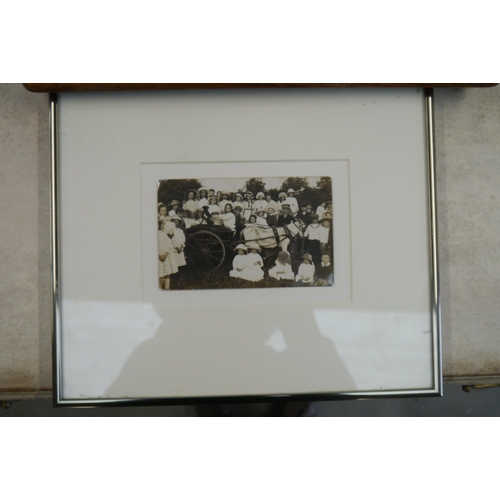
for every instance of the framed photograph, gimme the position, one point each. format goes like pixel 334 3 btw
pixel 244 245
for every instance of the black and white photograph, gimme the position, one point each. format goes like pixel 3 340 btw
pixel 257 232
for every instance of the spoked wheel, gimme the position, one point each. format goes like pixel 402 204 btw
pixel 205 249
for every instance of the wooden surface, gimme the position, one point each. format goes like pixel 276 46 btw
pixel 101 87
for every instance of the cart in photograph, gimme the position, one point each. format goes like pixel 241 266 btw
pixel 207 245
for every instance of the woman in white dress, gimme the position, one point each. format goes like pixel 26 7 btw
pixel 166 253
pixel 281 200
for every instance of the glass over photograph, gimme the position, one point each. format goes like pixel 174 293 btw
pixel 266 232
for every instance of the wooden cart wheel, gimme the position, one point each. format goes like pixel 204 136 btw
pixel 205 249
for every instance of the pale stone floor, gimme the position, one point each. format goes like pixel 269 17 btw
pixel 455 403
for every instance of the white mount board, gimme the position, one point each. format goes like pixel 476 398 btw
pixel 117 344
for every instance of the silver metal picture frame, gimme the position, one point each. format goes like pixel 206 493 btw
pixel 59 399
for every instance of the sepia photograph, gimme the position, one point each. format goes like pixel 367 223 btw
pixel 258 232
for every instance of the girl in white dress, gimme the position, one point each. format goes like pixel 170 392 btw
pixel 228 217
pixel 224 201
pixel 214 211
pixel 261 217
pixel 238 201
pixel 239 262
pixel 179 241
pixel 254 264
pixel 305 274
pixel 191 204
pixel 203 201
pixel 162 211
pixel 166 253
pixel 248 208
pixel 260 203
pixel 283 268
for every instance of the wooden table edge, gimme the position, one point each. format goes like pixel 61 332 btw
pixel 127 87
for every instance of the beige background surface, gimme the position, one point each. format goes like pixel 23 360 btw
pixel 468 157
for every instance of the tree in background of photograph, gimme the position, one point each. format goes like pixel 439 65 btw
pixel 175 189
pixel 255 185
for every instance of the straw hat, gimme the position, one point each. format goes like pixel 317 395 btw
pixel 174 202
pixel 260 193
pixel 169 227
pixel 241 247
pixel 252 244
pixel 290 190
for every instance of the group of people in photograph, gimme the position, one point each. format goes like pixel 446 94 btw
pixel 237 211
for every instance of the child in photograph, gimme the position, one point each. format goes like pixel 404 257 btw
pixel 239 222
pixel 239 262
pixel 260 203
pixel 248 207
pixel 166 253
pixel 216 217
pixel 303 214
pixel 252 221
pixel 188 219
pixel 162 211
pixel 286 217
pixel 292 201
pixel 174 206
pixel 198 217
pixel 214 211
pixel 272 219
pixel 224 201
pixel 254 264
pixel 271 203
pixel 324 273
pixel 179 241
pixel 191 204
pixel 326 206
pixel 261 217
pixel 325 236
pixel 305 274
pixel 228 218
pixel 203 194
pixel 313 235
pixel 283 268
pixel 238 201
